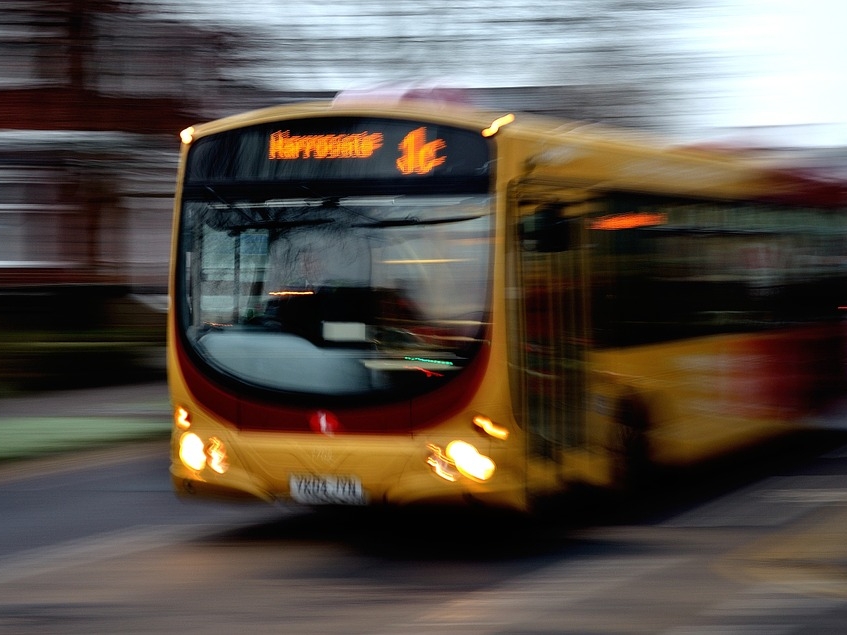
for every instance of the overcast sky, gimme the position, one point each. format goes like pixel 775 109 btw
pixel 759 62
pixel 787 63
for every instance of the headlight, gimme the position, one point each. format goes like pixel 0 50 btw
pixel 192 452
pixel 196 455
pixel 469 461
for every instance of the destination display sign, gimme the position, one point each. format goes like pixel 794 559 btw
pixel 338 148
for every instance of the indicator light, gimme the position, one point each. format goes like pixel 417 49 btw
pixel 216 456
pixel 440 464
pixel 498 123
pixel 182 419
pixel 491 428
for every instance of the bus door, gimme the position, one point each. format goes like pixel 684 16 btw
pixel 549 321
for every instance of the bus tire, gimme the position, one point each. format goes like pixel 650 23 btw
pixel 632 468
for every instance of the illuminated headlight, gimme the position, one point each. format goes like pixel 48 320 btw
pixel 469 461
pixel 197 455
pixel 460 458
pixel 192 451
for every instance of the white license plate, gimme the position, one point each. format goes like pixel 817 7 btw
pixel 309 489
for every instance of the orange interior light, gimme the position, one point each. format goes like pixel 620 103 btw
pixel 629 221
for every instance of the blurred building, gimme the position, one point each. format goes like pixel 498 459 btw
pixel 92 96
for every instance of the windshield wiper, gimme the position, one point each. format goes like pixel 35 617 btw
pixel 302 222
pixel 412 221
pixel 227 204
pixel 271 214
pixel 304 212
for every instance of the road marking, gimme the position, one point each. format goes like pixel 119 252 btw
pixel 81 459
pixel 727 629
pixel 774 502
pixel 809 558
pixel 527 599
pixel 95 548
pixel 839 453
pixel 765 609
pixel 807 496
pixel 772 602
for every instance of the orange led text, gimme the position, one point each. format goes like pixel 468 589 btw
pixel 419 156
pixel 283 146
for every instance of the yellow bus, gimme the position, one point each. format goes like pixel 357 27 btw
pixel 420 302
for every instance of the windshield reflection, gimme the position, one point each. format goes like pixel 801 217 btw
pixel 338 296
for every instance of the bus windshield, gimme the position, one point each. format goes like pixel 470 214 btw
pixel 362 296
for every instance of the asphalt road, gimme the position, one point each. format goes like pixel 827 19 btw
pixel 96 543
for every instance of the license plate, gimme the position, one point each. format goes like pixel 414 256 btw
pixel 309 489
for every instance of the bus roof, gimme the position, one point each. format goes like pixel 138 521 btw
pixel 597 155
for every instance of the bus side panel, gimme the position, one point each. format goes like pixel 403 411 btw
pixel 709 396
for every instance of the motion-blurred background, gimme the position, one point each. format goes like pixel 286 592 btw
pixel 93 94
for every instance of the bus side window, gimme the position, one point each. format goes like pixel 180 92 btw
pixel 546 230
